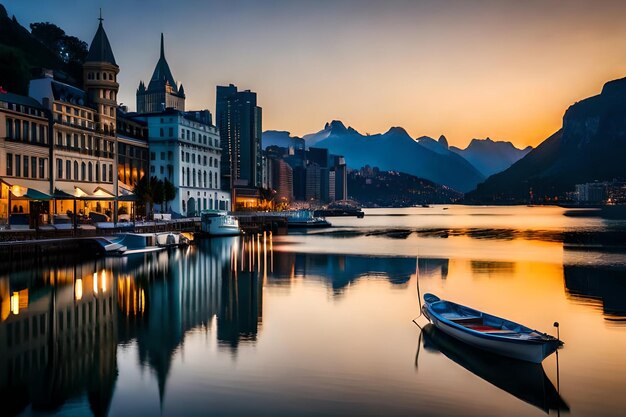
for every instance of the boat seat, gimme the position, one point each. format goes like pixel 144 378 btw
pixel 465 320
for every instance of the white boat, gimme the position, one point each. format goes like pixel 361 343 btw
pixel 488 332
pixel 219 223
pixel 304 219
pixel 131 243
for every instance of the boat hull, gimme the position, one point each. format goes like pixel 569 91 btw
pixel 531 349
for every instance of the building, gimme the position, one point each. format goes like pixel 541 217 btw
pixel 24 158
pixel 238 119
pixel 132 150
pixel 593 192
pixel 162 91
pixel 186 151
pixel 66 143
pixel 281 180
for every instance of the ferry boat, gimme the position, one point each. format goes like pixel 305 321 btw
pixel 305 219
pixel 131 243
pixel 219 223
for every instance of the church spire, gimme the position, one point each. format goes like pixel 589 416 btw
pixel 162 47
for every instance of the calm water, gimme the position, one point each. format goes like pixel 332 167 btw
pixel 320 323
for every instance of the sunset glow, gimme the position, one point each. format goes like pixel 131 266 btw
pixel 465 69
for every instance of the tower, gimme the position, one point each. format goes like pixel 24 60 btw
pixel 162 91
pixel 100 80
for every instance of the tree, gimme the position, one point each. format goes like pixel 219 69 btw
pixel 169 192
pixel 14 72
pixel 143 194
pixel 72 50
pixel 47 33
pixel 156 190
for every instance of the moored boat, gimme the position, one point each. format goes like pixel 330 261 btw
pixel 305 219
pixel 219 223
pixel 488 332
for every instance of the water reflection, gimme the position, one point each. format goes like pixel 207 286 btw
pixel 605 286
pixel 524 380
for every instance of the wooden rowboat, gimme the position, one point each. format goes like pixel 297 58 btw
pixel 488 332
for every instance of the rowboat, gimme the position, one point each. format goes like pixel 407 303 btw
pixel 524 380
pixel 488 332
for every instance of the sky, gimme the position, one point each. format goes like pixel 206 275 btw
pixel 505 69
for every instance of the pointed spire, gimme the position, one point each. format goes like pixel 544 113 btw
pixel 162 47
pixel 100 49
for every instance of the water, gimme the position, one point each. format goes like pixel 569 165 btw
pixel 319 323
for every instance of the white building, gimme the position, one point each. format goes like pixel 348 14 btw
pixel 186 150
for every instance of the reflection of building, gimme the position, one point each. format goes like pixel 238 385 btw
pixel 604 284
pixel 59 341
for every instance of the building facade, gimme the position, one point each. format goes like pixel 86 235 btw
pixel 186 151
pixel 238 119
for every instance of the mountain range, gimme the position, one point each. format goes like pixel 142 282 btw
pixel 395 150
pixel 590 146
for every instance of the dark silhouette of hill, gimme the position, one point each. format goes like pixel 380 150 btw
pixel 489 156
pixel 22 56
pixel 590 146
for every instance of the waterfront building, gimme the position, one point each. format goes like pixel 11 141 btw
pixel 162 91
pixel 60 147
pixel 186 151
pixel 238 119
pixel 132 150
pixel 280 179
pixel 24 158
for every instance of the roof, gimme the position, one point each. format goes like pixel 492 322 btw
pixel 162 73
pixel 19 99
pixel 68 93
pixel 100 49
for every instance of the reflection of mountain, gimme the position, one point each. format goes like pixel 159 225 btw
pixel 341 270
pixel 524 380
pixel 605 284
pixel 58 343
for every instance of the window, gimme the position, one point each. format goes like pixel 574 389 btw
pixel 170 155
pixel 205 160
pixel 193 158
pixel 194 177
pixel 59 168
pixel 97 172
pixel 83 145
pixel 18 165
pixel 75 170
pixel 152 169
pixel 25 166
pixel 76 140
pixel 33 133
pixel 33 167
pixel 42 168
pixel 59 139
pixel 18 130
pixel 104 173
pixel 9 123
pixel 171 132
pixel 110 173
pixel 152 156
pixel 26 131
pixel 68 169
pixel 90 172
pixel 10 164
pixel 161 132
pixel 162 156
pixel 162 169
pixel 83 171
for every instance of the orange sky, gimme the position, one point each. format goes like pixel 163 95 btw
pixel 505 69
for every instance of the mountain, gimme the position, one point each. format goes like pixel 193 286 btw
pixel 590 146
pixel 374 188
pixel 395 150
pixel 277 138
pixel 490 157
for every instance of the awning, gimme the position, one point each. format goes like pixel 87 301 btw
pixel 28 189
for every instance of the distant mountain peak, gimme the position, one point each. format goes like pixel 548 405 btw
pixel 443 141
pixel 335 126
pixel 397 130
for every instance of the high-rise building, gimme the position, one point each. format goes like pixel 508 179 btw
pixel 238 119
pixel 162 91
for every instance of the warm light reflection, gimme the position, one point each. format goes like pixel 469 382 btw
pixel 78 289
pixel 15 303
pixel 103 279
pixel 95 282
